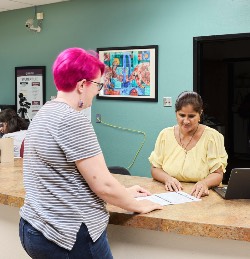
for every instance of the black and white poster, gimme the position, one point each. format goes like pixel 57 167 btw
pixel 30 90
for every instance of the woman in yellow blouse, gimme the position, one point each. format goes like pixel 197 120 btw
pixel 189 151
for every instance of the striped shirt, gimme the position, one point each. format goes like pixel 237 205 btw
pixel 58 199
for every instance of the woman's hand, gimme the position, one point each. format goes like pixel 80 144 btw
pixel 107 187
pixel 172 184
pixel 138 191
pixel 146 206
pixel 200 189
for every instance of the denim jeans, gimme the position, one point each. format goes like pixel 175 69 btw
pixel 39 247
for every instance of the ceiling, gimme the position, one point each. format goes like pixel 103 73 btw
pixel 7 5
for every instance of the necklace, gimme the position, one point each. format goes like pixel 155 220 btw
pixel 183 146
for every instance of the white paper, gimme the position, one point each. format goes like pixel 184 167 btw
pixel 155 199
pixel 170 198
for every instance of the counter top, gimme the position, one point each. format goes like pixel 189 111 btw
pixel 212 217
pixel 11 183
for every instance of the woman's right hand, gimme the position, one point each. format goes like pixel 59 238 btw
pixel 146 206
pixel 107 187
pixel 172 184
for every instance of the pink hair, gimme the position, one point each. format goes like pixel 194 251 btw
pixel 74 64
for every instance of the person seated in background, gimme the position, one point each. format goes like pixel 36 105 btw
pixel 13 126
pixel 189 151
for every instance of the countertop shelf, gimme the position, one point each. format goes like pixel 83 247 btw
pixel 212 217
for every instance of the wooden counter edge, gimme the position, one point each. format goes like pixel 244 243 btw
pixel 134 220
pixel 179 227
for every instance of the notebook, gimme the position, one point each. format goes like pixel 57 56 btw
pixel 170 198
pixel 238 185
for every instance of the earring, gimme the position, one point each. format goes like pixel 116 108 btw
pixel 80 103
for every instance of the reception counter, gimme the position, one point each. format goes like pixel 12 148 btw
pixel 212 226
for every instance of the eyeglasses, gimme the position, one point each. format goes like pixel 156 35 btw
pixel 99 85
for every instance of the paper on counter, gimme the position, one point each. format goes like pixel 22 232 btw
pixel 170 198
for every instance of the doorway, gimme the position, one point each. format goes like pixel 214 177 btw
pixel 222 78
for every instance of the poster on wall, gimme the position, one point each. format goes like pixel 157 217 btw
pixel 30 90
pixel 131 73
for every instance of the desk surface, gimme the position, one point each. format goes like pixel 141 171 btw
pixel 211 217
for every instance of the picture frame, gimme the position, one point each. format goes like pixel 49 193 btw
pixel 131 73
pixel 30 89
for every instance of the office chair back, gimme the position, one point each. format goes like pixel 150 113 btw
pixel 118 170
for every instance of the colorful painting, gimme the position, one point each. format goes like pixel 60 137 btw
pixel 130 73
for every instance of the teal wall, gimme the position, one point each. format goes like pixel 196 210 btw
pixel 90 24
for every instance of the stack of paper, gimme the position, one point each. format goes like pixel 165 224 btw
pixel 169 198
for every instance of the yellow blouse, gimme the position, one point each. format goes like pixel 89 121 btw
pixel 204 158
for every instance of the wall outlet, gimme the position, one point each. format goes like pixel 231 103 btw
pixel 98 118
pixel 167 101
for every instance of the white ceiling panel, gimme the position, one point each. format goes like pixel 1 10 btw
pixel 7 5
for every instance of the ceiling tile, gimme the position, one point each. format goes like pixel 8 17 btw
pixel 7 5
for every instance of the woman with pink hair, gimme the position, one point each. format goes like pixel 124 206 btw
pixel 66 179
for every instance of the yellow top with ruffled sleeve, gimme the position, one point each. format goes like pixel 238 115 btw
pixel 204 158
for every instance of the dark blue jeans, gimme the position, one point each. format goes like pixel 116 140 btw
pixel 39 247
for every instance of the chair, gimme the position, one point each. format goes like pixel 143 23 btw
pixel 118 170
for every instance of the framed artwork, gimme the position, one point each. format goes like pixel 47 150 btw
pixel 30 90
pixel 131 73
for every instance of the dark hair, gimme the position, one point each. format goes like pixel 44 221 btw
pixel 189 97
pixel 14 122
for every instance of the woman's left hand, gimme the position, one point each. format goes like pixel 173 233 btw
pixel 200 189
pixel 138 191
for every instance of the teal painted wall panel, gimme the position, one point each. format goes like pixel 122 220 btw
pixel 90 24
